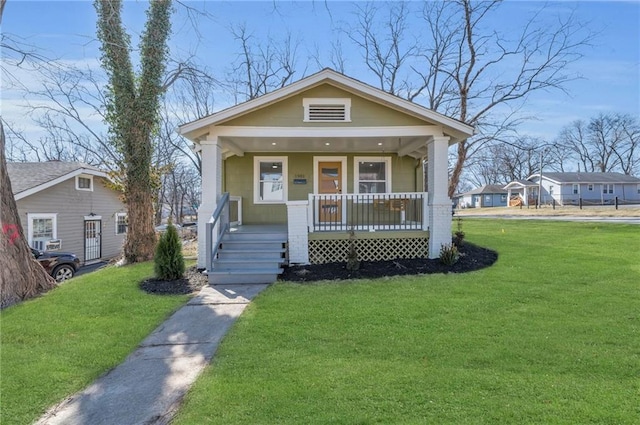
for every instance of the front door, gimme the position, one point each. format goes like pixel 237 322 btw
pixel 330 183
pixel 92 232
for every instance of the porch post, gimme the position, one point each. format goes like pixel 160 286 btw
pixel 211 192
pixel 439 203
pixel 298 232
pixel 526 196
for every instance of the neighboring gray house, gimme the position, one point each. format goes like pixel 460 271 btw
pixel 592 188
pixel 490 195
pixel 67 206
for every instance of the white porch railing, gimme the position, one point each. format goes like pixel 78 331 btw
pixel 368 211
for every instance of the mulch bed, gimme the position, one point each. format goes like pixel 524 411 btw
pixel 472 258
pixel 192 282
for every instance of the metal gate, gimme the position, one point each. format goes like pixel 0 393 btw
pixel 92 244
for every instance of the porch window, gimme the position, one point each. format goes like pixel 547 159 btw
pixel 121 223
pixel 84 182
pixel 373 175
pixel 270 174
pixel 40 229
pixel 607 188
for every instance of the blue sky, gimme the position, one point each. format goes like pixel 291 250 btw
pixel 65 30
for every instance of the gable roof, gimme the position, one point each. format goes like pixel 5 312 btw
pixel 520 183
pixel 28 178
pixel 456 129
pixel 486 189
pixel 569 178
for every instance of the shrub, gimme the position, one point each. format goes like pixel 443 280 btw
pixel 449 254
pixel 458 236
pixel 168 261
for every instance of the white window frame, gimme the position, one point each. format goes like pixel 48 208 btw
pixel 32 216
pixel 117 216
pixel 308 101
pixel 608 188
pixel 590 187
pixel 256 178
pixel 84 176
pixel 575 189
pixel 550 189
pixel 638 188
pixel 356 171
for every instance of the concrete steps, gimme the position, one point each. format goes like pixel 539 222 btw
pixel 249 258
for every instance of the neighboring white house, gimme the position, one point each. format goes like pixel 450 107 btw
pixel 571 188
pixel 327 154
pixel 68 206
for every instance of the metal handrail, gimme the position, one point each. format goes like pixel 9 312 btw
pixel 220 214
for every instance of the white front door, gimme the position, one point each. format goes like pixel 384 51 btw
pixel 92 245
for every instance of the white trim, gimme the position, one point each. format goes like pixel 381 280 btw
pixel 343 101
pixel 60 179
pixel 356 171
pixel 316 132
pixel 87 177
pixel 256 178
pixel 32 216
pixel 93 217
pixel 341 81
pixel 341 159
pixel 118 215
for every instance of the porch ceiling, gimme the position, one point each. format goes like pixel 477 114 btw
pixel 408 145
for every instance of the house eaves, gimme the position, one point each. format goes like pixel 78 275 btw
pixel 56 180
pixel 457 129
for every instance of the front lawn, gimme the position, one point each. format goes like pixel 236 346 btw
pixel 58 344
pixel 549 334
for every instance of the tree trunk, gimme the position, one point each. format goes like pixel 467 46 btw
pixel 21 276
pixel 457 169
pixel 140 243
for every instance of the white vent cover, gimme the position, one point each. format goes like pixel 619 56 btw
pixel 327 109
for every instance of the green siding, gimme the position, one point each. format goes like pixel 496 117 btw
pixel 239 181
pixel 290 112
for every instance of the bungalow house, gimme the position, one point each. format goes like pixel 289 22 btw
pixel 67 206
pixel 572 188
pixel 325 163
pixel 490 195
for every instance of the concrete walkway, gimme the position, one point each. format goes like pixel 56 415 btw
pixel 149 386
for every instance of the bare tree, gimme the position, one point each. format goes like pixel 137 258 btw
pixel 608 142
pixel 476 74
pixel 21 276
pixel 261 68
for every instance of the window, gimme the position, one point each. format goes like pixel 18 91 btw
pixel 84 182
pixel 121 223
pixel 270 175
pixel 41 228
pixel 607 188
pixel 638 188
pixel 503 198
pixel 551 190
pixel 327 109
pixel 373 175
pixel 576 189
pixel 590 188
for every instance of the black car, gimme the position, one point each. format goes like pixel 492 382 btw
pixel 60 265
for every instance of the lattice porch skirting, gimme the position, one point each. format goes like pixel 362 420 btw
pixel 379 249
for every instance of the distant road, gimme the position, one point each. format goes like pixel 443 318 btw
pixel 621 220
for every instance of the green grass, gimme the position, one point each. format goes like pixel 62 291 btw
pixel 57 344
pixel 549 335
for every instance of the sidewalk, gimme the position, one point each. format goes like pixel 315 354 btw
pixel 148 386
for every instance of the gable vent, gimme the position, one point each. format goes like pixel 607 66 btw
pixel 327 110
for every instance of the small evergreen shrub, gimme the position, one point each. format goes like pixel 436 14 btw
pixel 449 254
pixel 353 263
pixel 458 236
pixel 168 261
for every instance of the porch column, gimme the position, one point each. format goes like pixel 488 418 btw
pixel 526 196
pixel 298 230
pixel 439 203
pixel 211 192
